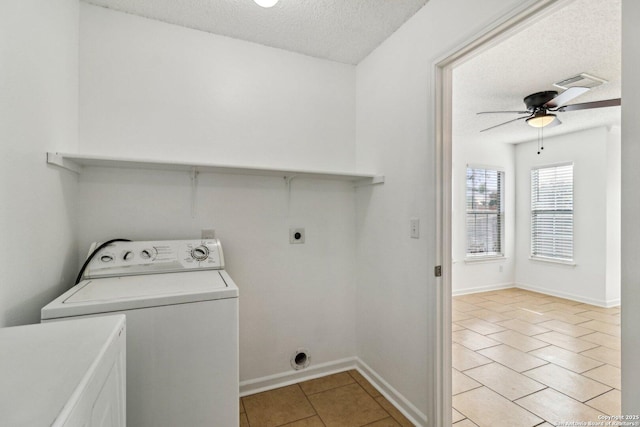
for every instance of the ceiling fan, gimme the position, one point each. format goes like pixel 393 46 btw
pixel 541 107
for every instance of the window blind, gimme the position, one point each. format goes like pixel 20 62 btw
pixel 552 212
pixel 484 212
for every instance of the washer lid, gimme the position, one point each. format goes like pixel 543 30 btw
pixel 111 294
pixel 148 286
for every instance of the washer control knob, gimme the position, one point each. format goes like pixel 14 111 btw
pixel 146 253
pixel 106 258
pixel 128 256
pixel 200 253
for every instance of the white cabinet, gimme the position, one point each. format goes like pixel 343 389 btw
pixel 64 374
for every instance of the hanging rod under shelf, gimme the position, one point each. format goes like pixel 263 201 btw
pixel 76 162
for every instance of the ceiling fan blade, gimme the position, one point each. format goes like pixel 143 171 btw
pixel 566 96
pixel 595 104
pixel 499 112
pixel 502 124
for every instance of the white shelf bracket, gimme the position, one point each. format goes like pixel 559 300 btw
pixel 287 180
pixel 376 180
pixel 58 160
pixel 194 192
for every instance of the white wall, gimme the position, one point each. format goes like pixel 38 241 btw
pixel 154 90
pixel 395 135
pixel 476 276
pixel 630 207
pixel 290 295
pixel 38 113
pixel 150 89
pixel 586 281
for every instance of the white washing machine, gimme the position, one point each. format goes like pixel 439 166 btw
pixel 182 327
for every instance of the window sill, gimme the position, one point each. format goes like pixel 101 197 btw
pixel 569 263
pixel 475 260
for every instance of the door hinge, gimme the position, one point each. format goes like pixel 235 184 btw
pixel 437 271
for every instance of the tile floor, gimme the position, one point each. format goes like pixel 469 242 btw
pixel 345 399
pixel 523 359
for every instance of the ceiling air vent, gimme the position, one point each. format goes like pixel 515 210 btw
pixel 581 80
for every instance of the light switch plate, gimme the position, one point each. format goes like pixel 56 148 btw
pixel 414 228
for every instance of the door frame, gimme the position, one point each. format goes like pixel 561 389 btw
pixel 517 19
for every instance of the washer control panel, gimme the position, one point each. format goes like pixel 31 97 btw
pixel 153 257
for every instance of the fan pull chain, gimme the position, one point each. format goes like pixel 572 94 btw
pixel 538 140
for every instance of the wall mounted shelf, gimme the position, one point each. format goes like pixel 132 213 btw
pixel 76 162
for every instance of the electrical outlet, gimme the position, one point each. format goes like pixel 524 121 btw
pixel 296 235
pixel 414 228
pixel 208 233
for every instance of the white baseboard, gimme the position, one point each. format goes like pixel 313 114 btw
pixel 552 292
pixel 270 382
pixel 568 295
pixel 283 379
pixel 477 289
pixel 392 395
pixel 613 303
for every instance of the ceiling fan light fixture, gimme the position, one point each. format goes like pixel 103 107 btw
pixel 266 3
pixel 540 120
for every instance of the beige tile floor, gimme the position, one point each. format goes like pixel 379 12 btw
pixel 523 359
pixel 345 399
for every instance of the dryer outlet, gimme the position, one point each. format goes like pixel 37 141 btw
pixel 300 359
pixel 296 235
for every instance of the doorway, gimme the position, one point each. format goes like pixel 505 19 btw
pixel 454 180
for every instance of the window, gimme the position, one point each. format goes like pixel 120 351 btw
pixel 484 212
pixel 552 212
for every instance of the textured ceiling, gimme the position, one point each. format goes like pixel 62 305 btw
pixel 584 36
pixel 339 30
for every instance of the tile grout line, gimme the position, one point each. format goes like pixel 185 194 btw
pixel 375 398
pixel 600 382
pixel 577 373
pixel 302 419
pixel 544 419
pixel 601 394
pixel 514 402
pixel 547 362
pixel 598 360
pixel 331 388
pixel 345 385
pixel 311 403
pixel 471 389
pixel 365 390
pixel 245 412
pixel 566 395
pixel 502 395
pixel 568 369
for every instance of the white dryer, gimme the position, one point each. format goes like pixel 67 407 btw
pixel 182 327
